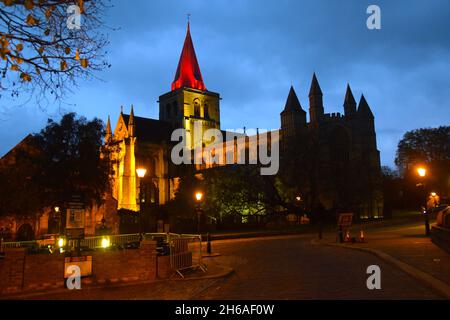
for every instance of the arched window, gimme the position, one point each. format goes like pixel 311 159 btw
pixel 206 110
pixel 197 108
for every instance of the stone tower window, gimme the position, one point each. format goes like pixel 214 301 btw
pixel 206 110
pixel 197 108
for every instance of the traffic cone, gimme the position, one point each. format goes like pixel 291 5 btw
pixel 347 236
pixel 362 238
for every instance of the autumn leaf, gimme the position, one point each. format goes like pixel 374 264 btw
pixel 19 47
pixel 63 65
pixel 29 4
pixel 77 55
pixel 67 50
pixel 25 77
pixel 84 63
pixel 32 21
pixel 15 67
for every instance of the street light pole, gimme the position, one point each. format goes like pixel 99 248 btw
pixel 422 172
pixel 198 209
pixel 141 172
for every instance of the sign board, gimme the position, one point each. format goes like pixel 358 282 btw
pixel 84 263
pixel 75 218
pixel 345 220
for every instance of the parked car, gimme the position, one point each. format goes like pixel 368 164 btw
pixel 443 216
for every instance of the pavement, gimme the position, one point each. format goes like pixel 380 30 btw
pixel 407 248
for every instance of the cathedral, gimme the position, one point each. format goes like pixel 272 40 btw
pixel 347 139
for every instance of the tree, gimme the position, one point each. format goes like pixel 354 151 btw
pixel 430 148
pixel 67 159
pixel 47 45
pixel 71 160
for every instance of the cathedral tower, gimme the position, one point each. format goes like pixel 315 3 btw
pixel 316 111
pixel 293 117
pixel 190 103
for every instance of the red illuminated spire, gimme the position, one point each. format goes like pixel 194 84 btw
pixel 188 72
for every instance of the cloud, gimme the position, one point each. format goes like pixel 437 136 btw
pixel 252 51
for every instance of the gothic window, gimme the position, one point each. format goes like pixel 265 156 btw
pixel 197 108
pixel 206 110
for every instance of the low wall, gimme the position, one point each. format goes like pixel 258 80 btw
pixel 441 237
pixel 20 272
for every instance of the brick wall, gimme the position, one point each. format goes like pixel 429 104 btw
pixel 20 272
pixel 125 265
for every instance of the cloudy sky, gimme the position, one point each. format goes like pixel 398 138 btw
pixel 251 51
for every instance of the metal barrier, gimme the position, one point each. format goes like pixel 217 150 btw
pixel 186 253
pixel 16 245
pixel 185 250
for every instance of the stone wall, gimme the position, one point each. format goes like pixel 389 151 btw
pixel 20 272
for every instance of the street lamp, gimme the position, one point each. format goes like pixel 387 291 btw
pixel 141 172
pixel 199 198
pixel 422 172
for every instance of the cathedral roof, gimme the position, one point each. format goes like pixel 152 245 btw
pixel 315 87
pixel 292 103
pixel 150 130
pixel 188 72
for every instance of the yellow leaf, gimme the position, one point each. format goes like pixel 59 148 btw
pixel 63 65
pixel 19 47
pixel 32 21
pixel 84 63
pixel 25 77
pixel 29 4
pixel 77 55
pixel 15 67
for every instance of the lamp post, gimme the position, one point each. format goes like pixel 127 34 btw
pixel 199 198
pixel 57 212
pixel 422 173
pixel 141 172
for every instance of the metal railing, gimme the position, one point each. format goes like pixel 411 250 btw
pixel 185 250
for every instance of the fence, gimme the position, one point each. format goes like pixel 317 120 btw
pixel 185 250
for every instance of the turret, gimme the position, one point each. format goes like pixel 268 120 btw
pixel 131 126
pixel 108 135
pixel 293 117
pixel 364 110
pixel 349 102
pixel 316 110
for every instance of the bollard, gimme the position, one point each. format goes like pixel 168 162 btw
pixel 341 235
pixel 208 243
pixel 362 238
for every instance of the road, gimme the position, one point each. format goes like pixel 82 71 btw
pixel 287 268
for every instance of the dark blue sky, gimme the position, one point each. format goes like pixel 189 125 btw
pixel 250 51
